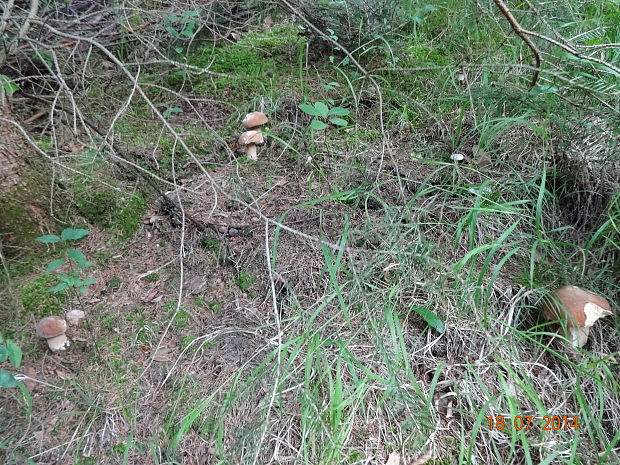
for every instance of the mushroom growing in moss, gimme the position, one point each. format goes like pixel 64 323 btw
pixel 579 308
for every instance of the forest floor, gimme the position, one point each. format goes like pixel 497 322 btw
pixel 353 294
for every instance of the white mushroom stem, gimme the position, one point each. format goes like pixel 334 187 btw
pixel 579 335
pixel 251 152
pixel 58 343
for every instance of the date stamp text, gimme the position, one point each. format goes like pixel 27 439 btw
pixel 525 422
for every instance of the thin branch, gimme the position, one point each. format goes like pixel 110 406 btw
pixel 524 36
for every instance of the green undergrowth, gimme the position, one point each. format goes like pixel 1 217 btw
pixel 257 62
pixel 38 302
pixel 149 135
pixel 110 209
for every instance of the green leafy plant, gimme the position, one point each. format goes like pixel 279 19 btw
pixel 324 114
pixel 184 25
pixel 11 352
pixel 7 85
pixel 77 260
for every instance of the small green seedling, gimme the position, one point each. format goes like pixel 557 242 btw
pixel 72 279
pixel 324 114
pixel 184 25
pixel 11 352
pixel 7 85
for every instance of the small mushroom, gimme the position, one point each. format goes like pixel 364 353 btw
pixel 53 329
pixel 75 316
pixel 248 140
pixel 580 309
pixel 254 120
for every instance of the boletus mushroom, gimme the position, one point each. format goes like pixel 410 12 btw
pixel 248 141
pixel 579 308
pixel 254 120
pixel 53 329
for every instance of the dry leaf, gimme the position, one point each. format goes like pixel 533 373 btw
pixel 423 459
pixel 29 382
pixel 482 158
pixel 73 147
pixel 268 22
pixel 165 354
pixel 393 459
pixel 150 296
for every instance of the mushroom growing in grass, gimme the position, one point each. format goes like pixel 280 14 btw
pixel 579 308
pixel 254 120
pixel 248 141
pixel 53 328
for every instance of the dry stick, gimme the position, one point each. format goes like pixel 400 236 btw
pixel 36 117
pixel 147 175
pixel 4 21
pixel 572 51
pixel 523 34
pixel 276 313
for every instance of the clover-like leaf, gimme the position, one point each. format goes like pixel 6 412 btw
pixel 317 125
pixel 338 111
pixel 7 380
pixel 321 109
pixel 54 265
pixel 70 234
pixel 14 353
pixel 309 109
pixel 7 85
pixel 48 239
pixel 88 281
pixel 75 254
pixel 58 288
pixel 339 122
pixel 4 354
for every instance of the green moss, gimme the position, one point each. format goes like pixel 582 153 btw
pixel 132 209
pixel 40 303
pixel 211 243
pixel 417 54
pixel 244 281
pixel 109 209
pixel 259 55
pixel 151 278
pixel 114 283
pixel 44 143
pixel 18 224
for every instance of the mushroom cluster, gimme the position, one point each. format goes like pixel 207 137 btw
pixel 579 308
pixel 252 137
pixel 53 329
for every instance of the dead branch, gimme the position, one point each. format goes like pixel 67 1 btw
pixel 524 36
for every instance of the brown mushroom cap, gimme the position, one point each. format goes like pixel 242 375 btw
pixel 254 120
pixel 251 137
pixel 51 326
pixel 580 307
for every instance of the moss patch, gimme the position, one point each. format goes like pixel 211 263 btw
pixel 40 303
pixel 258 57
pixel 110 209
